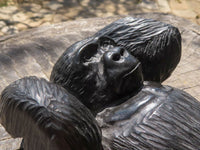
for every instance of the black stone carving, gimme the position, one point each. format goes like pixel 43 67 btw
pixel 157 117
pixel 106 72
pixel 47 117
pixel 151 42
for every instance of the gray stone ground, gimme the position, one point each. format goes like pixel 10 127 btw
pixel 15 18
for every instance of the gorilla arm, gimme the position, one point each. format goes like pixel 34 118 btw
pixel 47 117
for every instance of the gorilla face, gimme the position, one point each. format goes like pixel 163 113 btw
pixel 99 73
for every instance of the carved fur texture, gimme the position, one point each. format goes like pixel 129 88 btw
pixel 157 118
pixel 47 117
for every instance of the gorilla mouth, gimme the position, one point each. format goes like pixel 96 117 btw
pixel 130 82
pixel 132 71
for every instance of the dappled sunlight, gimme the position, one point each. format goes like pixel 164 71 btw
pixel 19 15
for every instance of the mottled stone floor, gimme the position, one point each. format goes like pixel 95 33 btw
pixel 15 18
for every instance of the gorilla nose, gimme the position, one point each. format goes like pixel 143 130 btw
pixel 117 53
pixel 114 55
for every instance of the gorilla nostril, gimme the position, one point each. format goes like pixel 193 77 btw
pixel 122 52
pixel 116 57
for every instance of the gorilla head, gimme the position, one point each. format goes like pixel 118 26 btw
pixel 98 73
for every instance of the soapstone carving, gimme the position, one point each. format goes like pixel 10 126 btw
pixel 151 116
pixel 117 75
pixel 139 114
pixel 156 45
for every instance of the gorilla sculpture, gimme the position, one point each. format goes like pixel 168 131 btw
pixel 47 117
pixel 140 114
pixel 151 42
pixel 105 72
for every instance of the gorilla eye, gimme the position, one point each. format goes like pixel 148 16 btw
pixel 88 52
pixel 106 41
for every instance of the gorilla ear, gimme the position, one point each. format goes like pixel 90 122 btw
pixel 105 41
pixel 87 52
